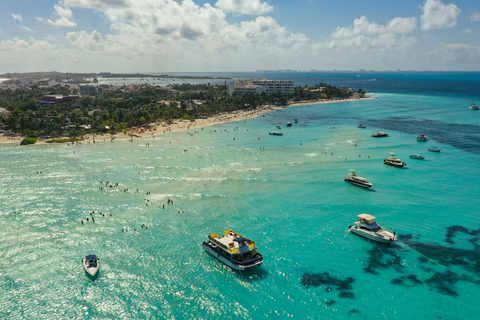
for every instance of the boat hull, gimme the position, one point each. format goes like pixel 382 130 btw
pixel 376 238
pixel 92 271
pixel 358 184
pixel 216 253
pixel 396 165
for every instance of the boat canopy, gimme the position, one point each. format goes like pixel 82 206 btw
pixel 366 216
pixel 240 239
pixel 91 257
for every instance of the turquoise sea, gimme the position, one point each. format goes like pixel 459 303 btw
pixel 285 192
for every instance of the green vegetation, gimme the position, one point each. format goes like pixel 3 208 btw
pixel 28 141
pixel 63 140
pixel 119 110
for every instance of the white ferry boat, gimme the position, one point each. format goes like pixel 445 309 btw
pixel 394 162
pixel 357 181
pixel 367 227
pixel 90 264
pixel 234 250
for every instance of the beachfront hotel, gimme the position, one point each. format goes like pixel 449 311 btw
pixel 261 85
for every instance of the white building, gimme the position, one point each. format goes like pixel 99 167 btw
pixel 261 85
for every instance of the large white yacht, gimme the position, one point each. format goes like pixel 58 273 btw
pixel 90 264
pixel 367 227
pixel 356 180
pixel 395 162
pixel 234 250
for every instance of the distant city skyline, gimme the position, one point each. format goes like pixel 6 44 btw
pixel 238 35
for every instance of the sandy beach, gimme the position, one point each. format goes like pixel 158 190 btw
pixel 159 128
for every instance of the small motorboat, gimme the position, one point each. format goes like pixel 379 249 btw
pixel 417 156
pixel 422 138
pixel 361 126
pixel 367 227
pixel 275 133
pixel 352 178
pixel 394 162
pixel 434 149
pixel 90 264
pixel 289 124
pixel 234 250
pixel 474 107
pixel 379 134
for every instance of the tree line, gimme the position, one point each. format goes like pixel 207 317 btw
pixel 117 110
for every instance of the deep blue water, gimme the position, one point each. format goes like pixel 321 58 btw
pixel 285 192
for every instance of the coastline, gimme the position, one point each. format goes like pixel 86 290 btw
pixel 183 125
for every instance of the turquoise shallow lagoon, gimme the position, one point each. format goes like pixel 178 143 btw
pixel 285 192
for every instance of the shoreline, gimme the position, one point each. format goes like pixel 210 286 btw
pixel 183 125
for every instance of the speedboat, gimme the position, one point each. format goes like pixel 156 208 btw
pixel 417 156
pixel 434 149
pixel 90 264
pixel 356 180
pixel 362 126
pixel 379 134
pixel 289 124
pixel 234 250
pixel 275 133
pixel 474 107
pixel 422 138
pixel 367 227
pixel 395 162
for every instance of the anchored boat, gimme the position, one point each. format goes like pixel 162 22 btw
pixel 356 180
pixel 379 134
pixel 234 250
pixel 367 227
pixel 90 264
pixel 394 162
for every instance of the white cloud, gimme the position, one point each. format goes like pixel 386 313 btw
pixel 456 54
pixel 252 7
pixel 26 28
pixel 175 35
pixel 437 15
pixel 83 40
pixel 17 17
pixel 475 16
pixel 65 17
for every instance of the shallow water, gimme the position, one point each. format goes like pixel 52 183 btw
pixel 285 192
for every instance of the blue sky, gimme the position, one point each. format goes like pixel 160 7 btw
pixel 238 35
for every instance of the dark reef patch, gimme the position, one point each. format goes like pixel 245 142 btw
pixel 446 256
pixel 383 257
pixel 324 279
pixel 444 282
pixel 408 281
pixel 330 303
pixel 347 294
pixel 453 230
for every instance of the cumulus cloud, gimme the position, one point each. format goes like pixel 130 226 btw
pixel 365 34
pixel 180 35
pixel 437 15
pixel 83 40
pixel 40 19
pixel 65 17
pixel 251 7
pixel 475 16
pixel 17 17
